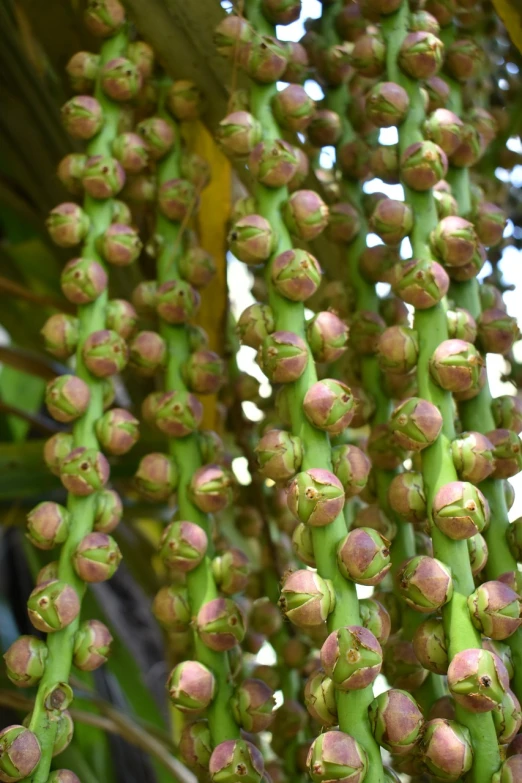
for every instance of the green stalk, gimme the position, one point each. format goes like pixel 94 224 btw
pixel 185 451
pixel 366 298
pixel 289 316
pixel 437 464
pixel 82 509
pixel 475 414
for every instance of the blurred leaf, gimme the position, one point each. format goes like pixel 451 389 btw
pixel 510 11
pixel 23 390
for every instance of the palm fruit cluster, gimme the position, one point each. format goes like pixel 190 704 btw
pixel 368 556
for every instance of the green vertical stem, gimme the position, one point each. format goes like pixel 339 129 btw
pixel 366 298
pixel 476 415
pixel 289 316
pixel 82 509
pixel 185 451
pixel 437 464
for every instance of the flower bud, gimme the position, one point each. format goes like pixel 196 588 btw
pixel 398 349
pixel 472 456
pixel 105 353
pixel 82 117
pixel 401 666
pixel 67 224
pixel 235 759
pixel 387 104
pixel 445 204
pixel 82 70
pixel 495 610
pixel 47 525
pixel 507 718
pixel 263 58
pixel 211 488
pixel 293 108
pixel 156 477
pixel 315 497
pixel 490 222
pixel 445 749
pixel 120 79
pixel 375 618
pixel 191 686
pixel 460 510
pixel 364 556
pixel 507 453
pixel 325 128
pixel 274 163
pixel 425 583
pixel 211 446
pixel 374 517
pixel 20 753
pixel 117 431
pixel 351 657
pixel 455 241
pixel 251 239
pixel 131 151
pixel 416 424
pixel 421 55
pixel 283 357
pixel 470 149
pixel 366 328
pixel 461 325
pixel 171 608
pixel 352 468
pixel 197 267
pixel 497 331
pixel 384 163
pixel 61 335
pixel 56 449
pixel 344 223
pixel 147 353
pixel 464 59
pixel 279 455
pixel 177 302
pixel 438 93
pixel 507 412
pixel 67 397
pixel 296 274
pixel 383 450
pixel 184 100
pixel 306 599
pixel 183 546
pixel 238 133
pixel 25 661
pixel 368 55
pixel 328 405
pixel 420 283
pixel 92 645
pixel 430 645
pixel 220 624
pixel 63 776
pixel 195 746
pixel 305 214
pixel 396 721
pixel 478 553
pixel 82 280
pixel 52 606
pixel 177 199
pixel 514 538
pixel 392 220
pixel 444 128
pixel 120 244
pixel 96 558
pixel 159 136
pixel 70 172
pixel 231 571
pixel 407 497
pixel 319 696
pixel 84 471
pixel 203 372
pixel 252 705
pixel 327 336
pixel 335 755
pixel 423 165
pixel 255 324
pixel 376 263
pixel 103 177
pixel 477 680
pixel 302 544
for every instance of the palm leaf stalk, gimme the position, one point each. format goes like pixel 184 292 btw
pixel 431 325
pixel 54 605
pixel 290 338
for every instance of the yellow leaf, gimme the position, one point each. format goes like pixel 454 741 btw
pixel 510 11
pixel 212 221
